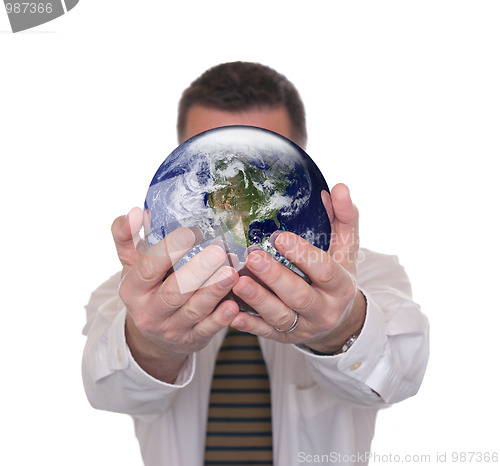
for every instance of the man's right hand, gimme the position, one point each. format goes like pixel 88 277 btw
pixel 171 315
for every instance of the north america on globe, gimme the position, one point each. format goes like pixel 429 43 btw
pixel 246 193
pixel 238 184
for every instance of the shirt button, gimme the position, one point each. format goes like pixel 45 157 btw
pixel 118 355
pixel 355 366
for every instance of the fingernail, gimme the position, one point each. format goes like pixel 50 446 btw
pixel 226 278
pixel 244 290
pixel 198 234
pixel 238 324
pixel 252 248
pixel 183 238
pixel 213 256
pixel 286 241
pixel 230 313
pixel 222 244
pixel 128 213
pixel 274 236
pixel 258 262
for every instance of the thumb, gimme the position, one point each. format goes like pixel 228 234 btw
pixel 125 231
pixel 345 232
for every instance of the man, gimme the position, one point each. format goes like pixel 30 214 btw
pixel 337 349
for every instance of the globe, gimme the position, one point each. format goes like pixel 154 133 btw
pixel 239 184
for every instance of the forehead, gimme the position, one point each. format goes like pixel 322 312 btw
pixel 201 119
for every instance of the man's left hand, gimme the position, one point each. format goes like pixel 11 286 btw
pixel 331 308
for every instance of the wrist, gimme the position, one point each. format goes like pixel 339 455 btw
pixel 158 362
pixel 343 337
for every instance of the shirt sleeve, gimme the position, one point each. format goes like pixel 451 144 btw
pixel 387 363
pixel 112 379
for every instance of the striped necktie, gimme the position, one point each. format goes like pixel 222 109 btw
pixel 239 414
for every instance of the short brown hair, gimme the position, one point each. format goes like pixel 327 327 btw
pixel 241 86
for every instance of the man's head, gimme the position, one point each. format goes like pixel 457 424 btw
pixel 242 93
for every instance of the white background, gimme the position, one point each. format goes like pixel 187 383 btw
pixel 403 105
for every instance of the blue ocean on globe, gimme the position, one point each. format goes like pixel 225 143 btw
pixel 238 184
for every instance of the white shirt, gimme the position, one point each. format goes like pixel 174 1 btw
pixel 321 405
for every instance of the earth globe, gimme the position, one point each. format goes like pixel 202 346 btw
pixel 239 184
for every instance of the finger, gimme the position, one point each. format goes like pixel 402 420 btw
pixel 294 291
pixel 125 231
pixel 231 259
pixel 178 287
pixel 202 303
pixel 149 271
pixel 304 256
pixel 345 237
pixel 257 326
pixel 147 222
pixel 221 317
pixel 194 273
pixel 271 309
pixel 327 203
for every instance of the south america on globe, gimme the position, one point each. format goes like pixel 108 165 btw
pixel 238 184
